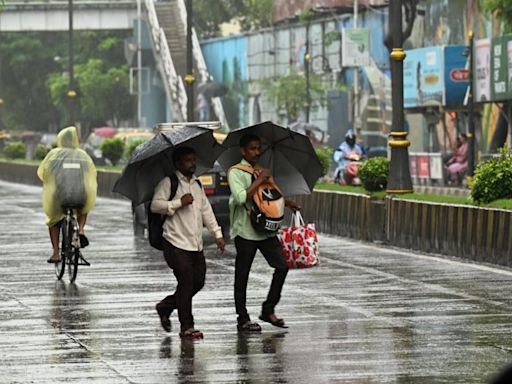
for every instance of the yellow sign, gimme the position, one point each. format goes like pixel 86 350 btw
pixel 206 180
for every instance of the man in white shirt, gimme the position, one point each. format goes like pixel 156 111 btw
pixel 186 213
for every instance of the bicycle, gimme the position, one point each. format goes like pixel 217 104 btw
pixel 70 254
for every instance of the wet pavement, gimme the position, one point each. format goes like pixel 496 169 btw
pixel 365 315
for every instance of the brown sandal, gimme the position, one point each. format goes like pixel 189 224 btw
pixel 276 323
pixel 191 333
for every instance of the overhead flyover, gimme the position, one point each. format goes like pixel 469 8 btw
pixel 52 15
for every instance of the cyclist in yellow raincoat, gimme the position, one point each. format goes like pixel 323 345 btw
pixel 69 180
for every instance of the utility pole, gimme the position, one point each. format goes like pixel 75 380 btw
pixel 356 75
pixel 189 77
pixel 471 114
pixel 71 92
pixel 139 64
pixel 399 180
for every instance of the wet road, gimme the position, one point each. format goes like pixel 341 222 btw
pixel 366 315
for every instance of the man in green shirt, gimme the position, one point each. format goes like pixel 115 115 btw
pixel 248 240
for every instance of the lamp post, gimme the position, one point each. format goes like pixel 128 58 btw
pixel 71 92
pixel 471 114
pixel 399 180
pixel 307 62
pixel 189 77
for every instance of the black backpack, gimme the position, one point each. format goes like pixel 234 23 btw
pixel 156 220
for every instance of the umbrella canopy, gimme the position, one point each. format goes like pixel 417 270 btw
pixel 289 155
pixel 152 160
pixel 212 89
pixel 105 131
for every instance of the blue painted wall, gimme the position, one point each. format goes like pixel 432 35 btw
pixel 226 60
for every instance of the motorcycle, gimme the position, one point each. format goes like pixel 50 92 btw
pixel 348 175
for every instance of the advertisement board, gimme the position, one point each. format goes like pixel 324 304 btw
pixel 435 76
pixel 355 47
pixel 482 63
pixel 456 75
pixel 423 77
pixel 501 62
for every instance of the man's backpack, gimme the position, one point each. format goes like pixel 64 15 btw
pixel 267 210
pixel 156 220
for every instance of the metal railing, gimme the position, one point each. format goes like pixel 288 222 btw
pixel 174 86
pixel 202 70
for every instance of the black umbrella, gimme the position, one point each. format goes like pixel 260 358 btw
pixel 152 160
pixel 212 89
pixel 289 155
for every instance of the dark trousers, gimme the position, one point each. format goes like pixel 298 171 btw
pixel 190 270
pixel 245 252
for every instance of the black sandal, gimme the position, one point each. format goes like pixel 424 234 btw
pixel 51 260
pixel 249 326
pixel 276 323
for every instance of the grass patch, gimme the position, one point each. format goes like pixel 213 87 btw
pixel 441 199
pixel 110 168
pixel 21 161
pixel 437 198
pixel 351 189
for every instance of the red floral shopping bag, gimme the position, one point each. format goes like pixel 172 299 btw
pixel 300 243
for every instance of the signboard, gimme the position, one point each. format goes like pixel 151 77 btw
pixel 456 75
pixel 435 76
pixel 423 77
pixel 501 64
pixel 482 63
pixel 423 165
pixel 355 47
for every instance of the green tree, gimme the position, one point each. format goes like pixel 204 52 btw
pixel 28 60
pixel 503 9
pixel 290 93
pixel 103 93
pixel 251 14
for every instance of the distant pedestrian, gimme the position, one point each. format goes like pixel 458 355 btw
pixel 186 213
pixel 457 165
pixel 248 239
pixel 203 105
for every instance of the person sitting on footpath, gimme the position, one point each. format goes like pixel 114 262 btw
pixel 183 242
pixel 69 180
pixel 248 239
pixel 457 165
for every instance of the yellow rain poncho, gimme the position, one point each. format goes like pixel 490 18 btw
pixel 69 178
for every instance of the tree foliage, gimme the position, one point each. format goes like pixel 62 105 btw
pixel 33 70
pixel 251 14
pixel 503 10
pixel 290 93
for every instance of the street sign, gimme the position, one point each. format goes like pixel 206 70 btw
pixel 355 47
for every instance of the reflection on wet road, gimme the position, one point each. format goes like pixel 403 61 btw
pixel 365 315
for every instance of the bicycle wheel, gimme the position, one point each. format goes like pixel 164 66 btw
pixel 64 250
pixel 74 254
pixel 73 264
